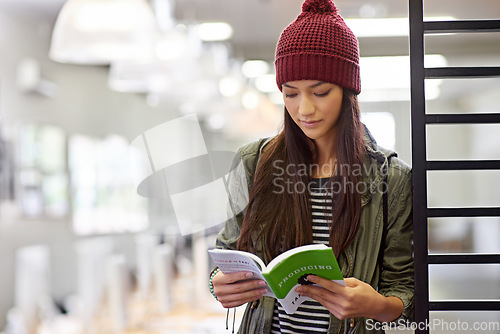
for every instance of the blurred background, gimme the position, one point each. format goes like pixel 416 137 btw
pixel 99 97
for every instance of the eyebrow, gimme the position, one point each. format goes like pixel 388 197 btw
pixel 312 86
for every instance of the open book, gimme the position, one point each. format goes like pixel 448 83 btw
pixel 285 272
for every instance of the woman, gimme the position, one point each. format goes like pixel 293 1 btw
pixel 323 179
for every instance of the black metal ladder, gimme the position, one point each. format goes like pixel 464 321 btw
pixel 419 120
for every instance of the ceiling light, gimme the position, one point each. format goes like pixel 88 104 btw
pixel 229 86
pixel 214 31
pixel 250 100
pixel 174 65
pixel 266 83
pixel 101 31
pixel 254 68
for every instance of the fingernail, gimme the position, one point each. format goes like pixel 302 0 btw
pixel 299 290
pixel 262 283
pixel 249 275
pixel 263 291
pixel 311 278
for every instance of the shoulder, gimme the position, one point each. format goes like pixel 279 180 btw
pixel 398 171
pixel 249 153
pixel 398 167
pixel 252 147
pixel 251 150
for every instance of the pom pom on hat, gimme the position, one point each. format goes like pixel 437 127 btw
pixel 319 6
pixel 318 45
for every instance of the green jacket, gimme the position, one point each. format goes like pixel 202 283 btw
pixel 361 259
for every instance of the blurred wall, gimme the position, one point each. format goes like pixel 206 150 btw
pixel 83 104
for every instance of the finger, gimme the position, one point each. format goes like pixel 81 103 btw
pixel 233 300
pixel 335 306
pixel 321 294
pixel 231 277
pixel 238 287
pixel 327 284
pixel 331 301
pixel 317 292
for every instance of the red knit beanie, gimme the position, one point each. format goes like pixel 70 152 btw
pixel 318 45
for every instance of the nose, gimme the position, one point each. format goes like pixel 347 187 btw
pixel 306 106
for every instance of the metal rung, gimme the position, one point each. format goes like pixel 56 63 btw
pixel 463 212
pixel 464 259
pixel 463 165
pixel 461 72
pixel 463 118
pixel 437 27
pixel 472 305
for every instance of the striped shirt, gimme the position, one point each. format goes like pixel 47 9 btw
pixel 311 317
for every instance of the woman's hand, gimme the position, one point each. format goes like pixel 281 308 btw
pixel 236 289
pixel 356 299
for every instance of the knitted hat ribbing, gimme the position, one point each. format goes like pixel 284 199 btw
pixel 318 45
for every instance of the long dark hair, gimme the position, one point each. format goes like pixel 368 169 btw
pixel 278 215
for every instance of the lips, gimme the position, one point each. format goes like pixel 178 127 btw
pixel 310 124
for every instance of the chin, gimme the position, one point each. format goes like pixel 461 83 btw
pixel 312 136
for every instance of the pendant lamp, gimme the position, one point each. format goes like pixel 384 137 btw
pixel 97 32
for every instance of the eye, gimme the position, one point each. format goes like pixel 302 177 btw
pixel 322 94
pixel 289 96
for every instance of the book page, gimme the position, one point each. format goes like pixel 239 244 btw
pixel 231 261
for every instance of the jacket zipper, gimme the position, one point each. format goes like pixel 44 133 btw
pixel 352 326
pixel 351 322
pixel 254 304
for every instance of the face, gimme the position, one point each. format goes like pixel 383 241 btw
pixel 314 106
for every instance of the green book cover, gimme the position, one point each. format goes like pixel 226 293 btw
pixel 291 268
pixel 285 272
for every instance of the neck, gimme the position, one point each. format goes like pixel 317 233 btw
pixel 326 159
